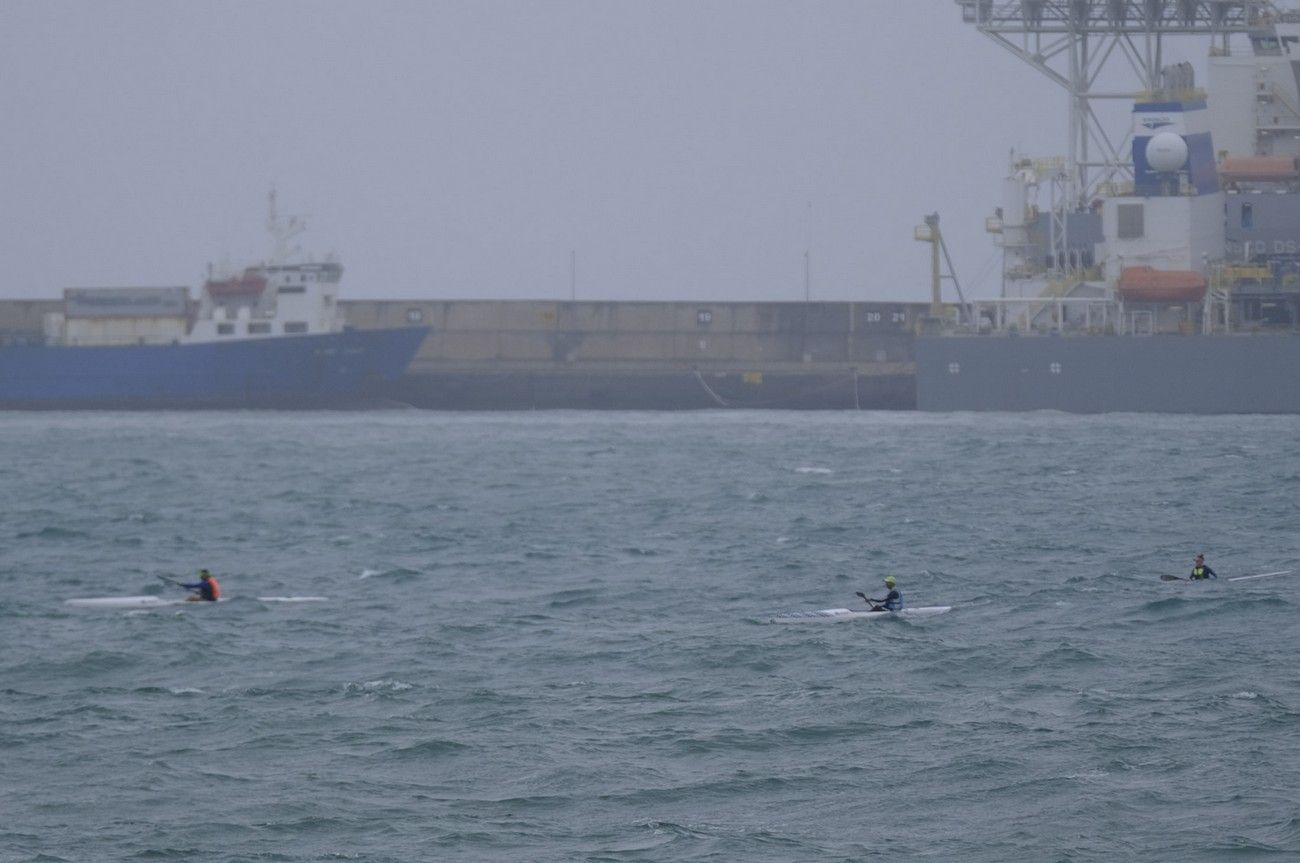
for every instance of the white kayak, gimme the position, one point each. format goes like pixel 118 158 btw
pixel 159 601
pixel 834 615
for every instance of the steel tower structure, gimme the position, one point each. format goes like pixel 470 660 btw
pixel 1072 41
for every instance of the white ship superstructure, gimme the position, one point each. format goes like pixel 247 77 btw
pixel 285 295
pixel 280 297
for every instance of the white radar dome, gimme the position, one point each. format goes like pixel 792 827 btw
pixel 1167 152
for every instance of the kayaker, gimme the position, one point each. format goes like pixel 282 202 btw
pixel 893 601
pixel 1200 571
pixel 205 589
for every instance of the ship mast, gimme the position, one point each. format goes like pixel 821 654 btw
pixel 282 231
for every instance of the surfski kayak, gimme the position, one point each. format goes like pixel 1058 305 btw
pixel 834 615
pixel 159 602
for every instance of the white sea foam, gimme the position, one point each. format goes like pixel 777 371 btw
pixel 383 685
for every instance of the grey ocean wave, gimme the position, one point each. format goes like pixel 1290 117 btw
pixel 548 638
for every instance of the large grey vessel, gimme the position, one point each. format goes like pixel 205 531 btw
pixel 1160 272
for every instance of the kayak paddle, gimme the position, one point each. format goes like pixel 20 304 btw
pixel 868 600
pixel 1234 578
pixel 1261 575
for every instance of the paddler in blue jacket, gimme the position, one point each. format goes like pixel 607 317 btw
pixel 1200 571
pixel 205 589
pixel 893 601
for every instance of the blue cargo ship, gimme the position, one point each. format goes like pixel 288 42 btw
pixel 269 337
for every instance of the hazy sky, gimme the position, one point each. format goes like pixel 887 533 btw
pixel 684 149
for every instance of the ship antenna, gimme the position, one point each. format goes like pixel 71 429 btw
pixel 282 231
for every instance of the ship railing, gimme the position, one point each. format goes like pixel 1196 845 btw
pixel 1047 166
pixel 1049 315
pixel 1188 94
pixel 1180 187
pixel 1068 278
pixel 1229 274
pixel 1147 320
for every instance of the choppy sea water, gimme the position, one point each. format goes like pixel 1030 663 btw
pixel 548 638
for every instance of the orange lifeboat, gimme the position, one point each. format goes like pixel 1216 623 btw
pixel 1149 285
pixel 1259 169
pixel 250 283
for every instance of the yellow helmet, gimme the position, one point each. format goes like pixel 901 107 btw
pixel 890 580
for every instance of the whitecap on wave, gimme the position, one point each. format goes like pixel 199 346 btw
pixel 382 685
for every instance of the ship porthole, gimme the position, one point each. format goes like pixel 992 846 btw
pixel 954 368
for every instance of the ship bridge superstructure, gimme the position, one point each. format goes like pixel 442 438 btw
pixel 1073 42
pixel 282 296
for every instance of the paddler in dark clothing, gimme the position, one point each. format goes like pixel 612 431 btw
pixel 205 589
pixel 1200 571
pixel 893 601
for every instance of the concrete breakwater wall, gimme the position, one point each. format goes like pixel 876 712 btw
pixel 516 354
pixel 523 354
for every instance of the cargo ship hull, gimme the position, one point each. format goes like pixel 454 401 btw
pixel 340 369
pixel 1202 374
pixel 652 389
